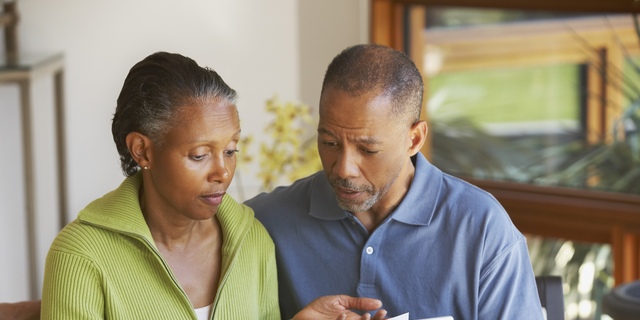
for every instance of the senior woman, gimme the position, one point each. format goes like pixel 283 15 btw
pixel 169 242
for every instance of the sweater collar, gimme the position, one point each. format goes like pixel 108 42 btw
pixel 119 211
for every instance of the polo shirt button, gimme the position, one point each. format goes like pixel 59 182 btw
pixel 369 250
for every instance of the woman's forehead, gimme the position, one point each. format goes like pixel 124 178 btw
pixel 204 121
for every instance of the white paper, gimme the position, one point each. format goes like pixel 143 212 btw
pixel 405 316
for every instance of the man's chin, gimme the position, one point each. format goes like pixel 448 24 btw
pixel 352 206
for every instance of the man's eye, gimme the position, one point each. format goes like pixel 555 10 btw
pixel 329 143
pixel 369 151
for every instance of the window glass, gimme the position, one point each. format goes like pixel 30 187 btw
pixel 540 98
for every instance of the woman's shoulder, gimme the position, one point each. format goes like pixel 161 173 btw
pixel 260 231
pixel 257 242
pixel 244 217
pixel 80 239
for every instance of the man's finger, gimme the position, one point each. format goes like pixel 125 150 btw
pixel 360 303
pixel 380 315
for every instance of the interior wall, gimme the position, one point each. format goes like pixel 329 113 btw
pixel 324 32
pixel 260 47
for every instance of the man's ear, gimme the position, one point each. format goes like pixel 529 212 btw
pixel 417 136
pixel 139 147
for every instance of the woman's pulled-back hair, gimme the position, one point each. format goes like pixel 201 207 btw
pixel 153 90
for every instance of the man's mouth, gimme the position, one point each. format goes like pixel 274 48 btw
pixel 347 194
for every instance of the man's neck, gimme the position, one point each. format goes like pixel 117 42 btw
pixel 373 217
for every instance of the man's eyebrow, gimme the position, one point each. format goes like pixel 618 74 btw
pixel 368 140
pixel 364 140
pixel 324 131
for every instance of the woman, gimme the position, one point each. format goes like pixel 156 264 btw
pixel 169 243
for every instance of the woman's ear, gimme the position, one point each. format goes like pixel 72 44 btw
pixel 139 147
pixel 417 136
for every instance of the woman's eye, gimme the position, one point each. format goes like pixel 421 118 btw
pixel 197 157
pixel 230 153
pixel 369 151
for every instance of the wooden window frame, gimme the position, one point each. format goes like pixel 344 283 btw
pixel 581 215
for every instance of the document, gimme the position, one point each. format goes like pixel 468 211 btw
pixel 405 316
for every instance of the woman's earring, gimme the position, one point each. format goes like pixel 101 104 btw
pixel 146 168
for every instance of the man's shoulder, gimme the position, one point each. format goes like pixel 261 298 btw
pixel 462 191
pixel 434 188
pixel 299 192
pixel 461 203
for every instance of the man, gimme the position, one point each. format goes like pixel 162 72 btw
pixel 381 221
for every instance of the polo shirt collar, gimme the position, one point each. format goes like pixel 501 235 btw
pixel 416 208
pixel 421 200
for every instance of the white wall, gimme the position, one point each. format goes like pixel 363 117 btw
pixel 260 47
pixel 326 28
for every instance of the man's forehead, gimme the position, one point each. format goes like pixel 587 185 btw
pixel 343 99
pixel 369 91
pixel 361 135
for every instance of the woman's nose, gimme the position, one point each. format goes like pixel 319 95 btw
pixel 219 171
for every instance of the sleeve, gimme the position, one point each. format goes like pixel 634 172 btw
pixel 71 289
pixel 269 298
pixel 508 288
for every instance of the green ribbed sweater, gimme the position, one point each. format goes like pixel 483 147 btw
pixel 105 265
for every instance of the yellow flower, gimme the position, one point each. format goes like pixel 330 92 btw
pixel 287 155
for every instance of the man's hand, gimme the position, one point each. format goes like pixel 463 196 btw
pixel 23 310
pixel 339 307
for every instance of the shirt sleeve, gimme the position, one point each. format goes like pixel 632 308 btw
pixel 271 307
pixel 508 288
pixel 71 289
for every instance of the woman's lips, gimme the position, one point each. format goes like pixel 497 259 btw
pixel 213 199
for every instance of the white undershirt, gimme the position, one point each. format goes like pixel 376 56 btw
pixel 204 312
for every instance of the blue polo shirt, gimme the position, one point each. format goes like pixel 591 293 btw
pixel 448 249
